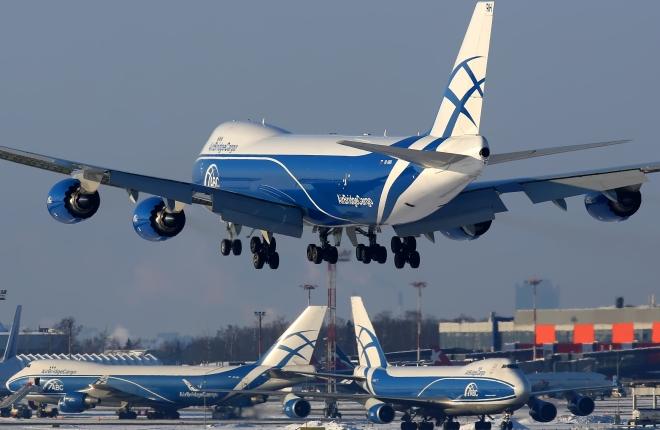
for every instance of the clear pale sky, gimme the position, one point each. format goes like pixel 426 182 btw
pixel 140 85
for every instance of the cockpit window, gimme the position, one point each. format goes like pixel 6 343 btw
pixel 509 366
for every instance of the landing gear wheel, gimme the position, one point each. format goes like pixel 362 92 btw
pixel 317 255
pixel 237 246
pixel 255 245
pixel 126 415
pixel 509 425
pixel 331 254
pixel 381 254
pixel 274 260
pixel 413 259
pixel 410 243
pixel 258 260
pixel 408 425
pixel 272 246
pixel 399 260
pixel 310 252
pixel 425 425
pixel 225 246
pixel 359 252
pixel 366 255
pixel 396 245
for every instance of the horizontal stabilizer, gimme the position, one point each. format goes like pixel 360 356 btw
pixel 542 152
pixel 428 159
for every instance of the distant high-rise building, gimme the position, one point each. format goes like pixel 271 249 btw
pixel 547 295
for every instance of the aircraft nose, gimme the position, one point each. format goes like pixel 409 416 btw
pixel 522 388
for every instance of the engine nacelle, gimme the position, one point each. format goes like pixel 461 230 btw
pixel 76 403
pixel 295 407
pixel 541 411
pixel 152 221
pixel 69 204
pixel 467 232
pixel 617 205
pixel 379 412
pixel 581 405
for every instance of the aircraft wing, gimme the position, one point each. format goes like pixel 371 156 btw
pixel 480 201
pixel 122 390
pixel 238 208
pixel 563 390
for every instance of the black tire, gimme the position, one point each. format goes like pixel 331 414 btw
pixel 332 254
pixel 382 254
pixel 399 260
pixel 410 243
pixel 225 246
pixel 258 260
pixel 366 255
pixel 272 246
pixel 359 252
pixel 317 255
pixel 274 260
pixel 310 249
pixel 509 425
pixel 54 413
pixel 414 259
pixel 425 425
pixel 395 244
pixel 255 245
pixel 237 246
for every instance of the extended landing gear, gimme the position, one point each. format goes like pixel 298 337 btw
pixel 125 413
pixel 330 410
pixel 45 412
pixel 506 423
pixel 325 252
pixel 450 424
pixel 371 252
pixel 482 424
pixel 163 415
pixel 227 413
pixel 233 244
pixel 264 252
pixel 405 251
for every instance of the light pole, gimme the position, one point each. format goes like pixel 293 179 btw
pixel 308 289
pixel 534 282
pixel 260 316
pixel 419 285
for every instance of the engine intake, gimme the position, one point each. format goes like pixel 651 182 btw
pixel 152 221
pixel 581 405
pixel 69 204
pixel 379 412
pixel 76 403
pixel 295 407
pixel 541 411
pixel 468 232
pixel 616 205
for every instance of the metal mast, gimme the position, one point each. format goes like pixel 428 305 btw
pixel 419 285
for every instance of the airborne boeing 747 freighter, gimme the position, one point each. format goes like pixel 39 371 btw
pixel 276 182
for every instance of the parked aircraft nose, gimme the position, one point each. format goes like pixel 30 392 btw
pixel 522 388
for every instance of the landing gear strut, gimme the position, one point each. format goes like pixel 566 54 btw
pixel 264 252
pixel 233 244
pixel 317 254
pixel 373 251
pixel 506 423
pixel 405 251
pixel 125 413
pixel 451 424
pixel 482 424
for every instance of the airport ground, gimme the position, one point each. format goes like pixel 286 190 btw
pixel 268 416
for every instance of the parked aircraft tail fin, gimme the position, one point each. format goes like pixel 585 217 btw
pixel 296 345
pixel 12 341
pixel 370 353
pixel 460 109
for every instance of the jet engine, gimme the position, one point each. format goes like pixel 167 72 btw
pixel 295 407
pixel 154 222
pixel 541 411
pixel 467 232
pixel 581 405
pixel 68 203
pixel 76 403
pixel 614 205
pixel 379 412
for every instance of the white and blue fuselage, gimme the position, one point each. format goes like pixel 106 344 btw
pixel 335 185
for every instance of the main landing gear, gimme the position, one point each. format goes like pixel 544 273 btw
pixel 373 251
pixel 407 423
pixel 126 413
pixel 163 414
pixel 482 424
pixel 233 244
pixel 264 251
pixel 507 423
pixel 405 251
pixel 325 252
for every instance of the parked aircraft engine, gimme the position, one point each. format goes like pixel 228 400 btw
pixel 581 405
pixel 76 402
pixel 153 221
pixel 541 411
pixel 69 204
pixel 467 232
pixel 295 407
pixel 616 205
pixel 379 412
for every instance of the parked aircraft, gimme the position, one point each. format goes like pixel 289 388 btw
pixel 78 386
pixel 276 182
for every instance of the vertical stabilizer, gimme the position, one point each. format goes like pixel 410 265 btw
pixel 370 353
pixel 460 109
pixel 296 345
pixel 12 341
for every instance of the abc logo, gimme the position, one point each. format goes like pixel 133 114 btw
pixel 471 390
pixel 54 385
pixel 212 177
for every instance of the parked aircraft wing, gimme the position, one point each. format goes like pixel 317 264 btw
pixel 122 390
pixel 572 390
pixel 250 211
pixel 480 201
